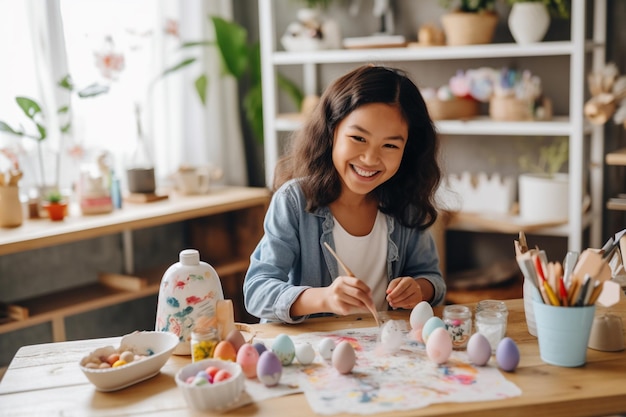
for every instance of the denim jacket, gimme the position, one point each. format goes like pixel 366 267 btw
pixel 291 257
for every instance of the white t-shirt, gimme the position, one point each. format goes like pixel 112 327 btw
pixel 366 256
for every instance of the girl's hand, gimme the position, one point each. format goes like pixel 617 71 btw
pixel 348 295
pixel 404 292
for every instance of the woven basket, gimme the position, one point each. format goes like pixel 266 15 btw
pixel 469 28
pixel 510 109
pixel 458 108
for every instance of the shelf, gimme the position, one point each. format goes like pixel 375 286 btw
pixel 616 203
pixel 617 157
pixel 431 53
pixel 39 233
pixel 482 125
pixel 56 306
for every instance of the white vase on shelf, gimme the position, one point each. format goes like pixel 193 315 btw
pixel 529 22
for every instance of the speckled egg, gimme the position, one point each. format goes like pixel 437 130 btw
pixel 344 357
pixel 247 358
pixel 420 315
pixel 478 349
pixel 284 348
pixel 430 325
pixel 391 335
pixel 507 354
pixel 439 345
pixel 305 354
pixel 269 369
pixel 326 347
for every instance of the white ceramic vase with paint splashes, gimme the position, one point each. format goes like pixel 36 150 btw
pixel 190 290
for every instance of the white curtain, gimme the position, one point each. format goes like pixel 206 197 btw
pixel 186 132
pixel 180 130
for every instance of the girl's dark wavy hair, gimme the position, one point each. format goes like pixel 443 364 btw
pixel 409 195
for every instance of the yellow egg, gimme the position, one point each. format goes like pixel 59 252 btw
pixel 118 363
pixel 225 351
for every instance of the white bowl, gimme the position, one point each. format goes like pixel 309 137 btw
pixel 215 396
pixel 157 346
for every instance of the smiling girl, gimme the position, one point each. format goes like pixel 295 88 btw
pixel 361 176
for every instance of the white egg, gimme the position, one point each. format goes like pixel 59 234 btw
pixel 439 345
pixel 326 347
pixel 305 353
pixel 344 357
pixel 420 314
pixel 391 335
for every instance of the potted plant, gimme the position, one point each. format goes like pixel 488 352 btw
pixel 543 188
pixel 239 59
pixel 55 205
pixel 529 20
pixel 35 113
pixel 469 22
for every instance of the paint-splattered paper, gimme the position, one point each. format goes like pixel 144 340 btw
pixel 382 382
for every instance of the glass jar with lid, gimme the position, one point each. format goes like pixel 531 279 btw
pixel 203 343
pixel 458 321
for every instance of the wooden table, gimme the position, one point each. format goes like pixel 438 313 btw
pixel 45 380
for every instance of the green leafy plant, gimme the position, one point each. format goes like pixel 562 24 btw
pixel 469 6
pixel 239 60
pixel 33 111
pixel 556 8
pixel 550 160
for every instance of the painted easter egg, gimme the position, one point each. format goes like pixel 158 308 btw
pixel 260 347
pixel 284 348
pixel 391 335
pixel 247 358
pixel 507 354
pixel 326 347
pixel 236 339
pixel 478 349
pixel 269 369
pixel 439 345
pixel 344 357
pixel 431 324
pixel 225 351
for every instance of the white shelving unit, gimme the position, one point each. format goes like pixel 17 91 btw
pixel 579 48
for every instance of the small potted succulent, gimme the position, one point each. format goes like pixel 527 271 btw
pixel 55 205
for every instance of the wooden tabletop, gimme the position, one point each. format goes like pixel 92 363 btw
pixel 46 380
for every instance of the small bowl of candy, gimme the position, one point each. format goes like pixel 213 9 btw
pixel 140 356
pixel 211 384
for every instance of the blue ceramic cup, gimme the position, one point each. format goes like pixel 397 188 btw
pixel 563 333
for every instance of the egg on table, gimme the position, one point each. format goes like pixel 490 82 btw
pixel 420 314
pixel 284 348
pixel 507 354
pixel 269 369
pixel 225 351
pixel 430 325
pixel 247 358
pixel 305 354
pixel 391 335
pixel 478 349
pixel 236 339
pixel 439 345
pixel 344 357
pixel 326 347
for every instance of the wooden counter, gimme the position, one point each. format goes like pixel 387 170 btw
pixel 235 214
pixel 46 380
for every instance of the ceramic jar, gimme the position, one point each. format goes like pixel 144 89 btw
pixel 11 214
pixel 189 292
